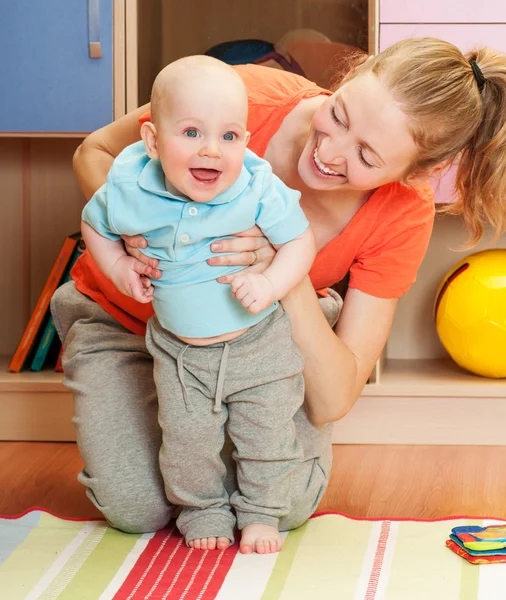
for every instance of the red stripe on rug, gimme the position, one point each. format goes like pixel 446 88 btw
pixel 171 562
pixel 372 586
pixel 174 582
pixel 203 574
pixel 208 583
pixel 147 567
pixel 168 569
pixel 185 578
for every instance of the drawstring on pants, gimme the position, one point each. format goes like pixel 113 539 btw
pixel 219 384
pixel 180 372
pixel 221 378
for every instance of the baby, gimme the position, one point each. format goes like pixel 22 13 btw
pixel 223 355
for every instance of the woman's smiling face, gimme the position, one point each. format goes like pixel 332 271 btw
pixel 359 139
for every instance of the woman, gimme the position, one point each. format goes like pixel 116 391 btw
pixel 360 157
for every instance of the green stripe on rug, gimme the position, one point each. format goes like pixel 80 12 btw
pixel 469 581
pixel 283 563
pixel 74 563
pixel 332 546
pixel 29 562
pixel 470 576
pixel 416 571
pixel 101 566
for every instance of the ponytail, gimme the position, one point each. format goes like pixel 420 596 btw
pixel 457 113
pixel 481 171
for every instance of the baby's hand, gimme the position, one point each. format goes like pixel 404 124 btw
pixel 129 282
pixel 254 291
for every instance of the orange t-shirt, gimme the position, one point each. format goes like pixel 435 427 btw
pixel 382 246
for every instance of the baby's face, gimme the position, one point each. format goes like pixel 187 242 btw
pixel 202 139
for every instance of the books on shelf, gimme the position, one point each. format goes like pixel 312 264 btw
pixel 39 339
pixel 59 367
pixel 45 344
pixel 49 336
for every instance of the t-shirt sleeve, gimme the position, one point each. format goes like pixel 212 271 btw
pixel 96 214
pixel 387 265
pixel 145 117
pixel 279 214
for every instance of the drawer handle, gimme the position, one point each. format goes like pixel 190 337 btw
pixel 94 43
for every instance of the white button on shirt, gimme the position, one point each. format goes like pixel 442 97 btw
pixel 185 238
pixel 192 211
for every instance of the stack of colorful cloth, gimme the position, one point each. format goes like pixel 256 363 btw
pixel 479 545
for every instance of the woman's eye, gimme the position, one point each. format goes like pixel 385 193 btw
pixel 229 136
pixel 335 118
pixel 191 133
pixel 363 160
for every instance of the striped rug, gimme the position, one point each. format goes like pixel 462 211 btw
pixel 331 557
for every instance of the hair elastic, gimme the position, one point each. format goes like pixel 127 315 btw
pixel 478 75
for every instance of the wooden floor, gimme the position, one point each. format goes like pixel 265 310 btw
pixel 367 481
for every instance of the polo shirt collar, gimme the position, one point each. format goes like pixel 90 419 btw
pixel 152 179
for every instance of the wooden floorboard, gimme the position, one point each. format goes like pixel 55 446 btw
pixel 419 482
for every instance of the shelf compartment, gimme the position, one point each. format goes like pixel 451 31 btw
pixel 433 378
pixel 34 406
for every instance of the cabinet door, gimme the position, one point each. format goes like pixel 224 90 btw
pixel 49 81
pixel 446 11
pixel 465 36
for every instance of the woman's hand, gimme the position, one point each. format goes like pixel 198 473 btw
pixel 251 249
pixel 145 265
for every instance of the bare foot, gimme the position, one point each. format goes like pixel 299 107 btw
pixel 210 543
pixel 259 538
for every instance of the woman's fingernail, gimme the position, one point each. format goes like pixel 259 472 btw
pixel 213 261
pixel 222 280
pixel 216 246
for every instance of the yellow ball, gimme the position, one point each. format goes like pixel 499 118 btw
pixel 470 313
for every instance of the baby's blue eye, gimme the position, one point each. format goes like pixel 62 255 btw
pixel 192 133
pixel 229 136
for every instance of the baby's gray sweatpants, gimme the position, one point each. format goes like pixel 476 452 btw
pixel 252 386
pixel 110 373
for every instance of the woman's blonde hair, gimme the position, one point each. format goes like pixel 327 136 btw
pixel 452 121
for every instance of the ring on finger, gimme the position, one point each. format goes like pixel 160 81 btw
pixel 255 258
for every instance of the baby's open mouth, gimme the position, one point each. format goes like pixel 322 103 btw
pixel 205 175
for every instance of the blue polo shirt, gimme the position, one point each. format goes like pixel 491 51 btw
pixel 188 300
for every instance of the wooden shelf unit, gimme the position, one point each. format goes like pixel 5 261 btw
pixel 399 377
pixel 418 401
pixel 426 402
pixel 432 378
pixel 46 380
pixel 419 395
pixel 34 406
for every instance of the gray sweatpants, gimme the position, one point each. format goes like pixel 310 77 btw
pixel 110 373
pixel 253 386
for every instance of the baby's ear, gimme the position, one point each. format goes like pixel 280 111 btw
pixel 150 139
pixel 247 137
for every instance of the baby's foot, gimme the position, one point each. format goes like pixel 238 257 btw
pixel 210 543
pixel 260 538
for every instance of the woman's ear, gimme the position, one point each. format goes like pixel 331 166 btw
pixel 150 139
